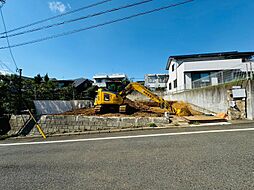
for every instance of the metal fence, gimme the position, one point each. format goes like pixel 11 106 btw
pixel 221 77
pixel 239 73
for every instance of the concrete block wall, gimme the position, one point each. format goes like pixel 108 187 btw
pixel 55 124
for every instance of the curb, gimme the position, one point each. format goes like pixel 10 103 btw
pixel 168 126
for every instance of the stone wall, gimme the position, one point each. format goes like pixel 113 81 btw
pixel 17 122
pixel 51 124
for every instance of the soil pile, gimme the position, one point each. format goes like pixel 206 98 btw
pixel 142 109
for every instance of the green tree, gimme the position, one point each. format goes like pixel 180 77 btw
pixel 38 79
pixel 46 78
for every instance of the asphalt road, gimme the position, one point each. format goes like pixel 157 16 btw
pixel 221 160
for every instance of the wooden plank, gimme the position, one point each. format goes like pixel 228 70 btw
pixel 204 118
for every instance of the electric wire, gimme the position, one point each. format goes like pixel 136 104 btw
pixel 57 16
pixel 6 67
pixel 7 39
pixel 78 19
pixel 98 25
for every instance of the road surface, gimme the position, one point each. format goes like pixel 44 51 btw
pixel 186 158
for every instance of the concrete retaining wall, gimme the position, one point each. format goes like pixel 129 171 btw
pixel 136 96
pixel 214 98
pixel 211 98
pixel 250 100
pixel 44 107
pixel 67 124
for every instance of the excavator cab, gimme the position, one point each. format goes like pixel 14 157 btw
pixel 109 98
pixel 108 101
pixel 116 86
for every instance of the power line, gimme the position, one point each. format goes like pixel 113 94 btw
pixel 2 2
pixel 79 19
pixel 57 16
pixel 99 25
pixel 7 39
pixel 6 67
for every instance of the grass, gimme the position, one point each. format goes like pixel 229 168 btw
pixel 152 125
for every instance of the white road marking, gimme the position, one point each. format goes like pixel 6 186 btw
pixel 129 137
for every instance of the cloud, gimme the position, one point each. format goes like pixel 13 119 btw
pixel 58 6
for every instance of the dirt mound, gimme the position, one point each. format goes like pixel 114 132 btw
pixel 142 109
pixel 136 105
pixel 82 111
pixel 136 114
pixel 150 104
pixel 181 109
pixel 91 112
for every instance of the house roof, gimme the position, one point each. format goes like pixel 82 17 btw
pixel 74 82
pixel 80 81
pixel 110 76
pixel 210 56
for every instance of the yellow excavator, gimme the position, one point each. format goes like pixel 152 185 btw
pixel 107 101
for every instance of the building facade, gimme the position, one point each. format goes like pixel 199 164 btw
pixel 156 81
pixel 197 70
pixel 100 80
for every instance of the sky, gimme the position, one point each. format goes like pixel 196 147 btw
pixel 135 47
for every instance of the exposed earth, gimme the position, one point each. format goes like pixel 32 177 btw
pixel 142 109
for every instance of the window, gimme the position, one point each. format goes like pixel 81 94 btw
pixel 205 77
pixel 173 67
pixel 106 97
pixel 175 83
pixel 169 86
pixel 163 79
pixel 200 79
pixel 98 80
pixel 151 79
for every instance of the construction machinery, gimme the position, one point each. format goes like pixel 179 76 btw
pixel 108 101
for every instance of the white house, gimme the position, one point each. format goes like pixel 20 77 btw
pixel 101 79
pixel 156 81
pixel 184 69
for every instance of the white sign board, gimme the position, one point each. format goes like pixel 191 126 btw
pixel 239 93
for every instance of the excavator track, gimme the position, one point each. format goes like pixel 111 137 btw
pixel 98 109
pixel 123 109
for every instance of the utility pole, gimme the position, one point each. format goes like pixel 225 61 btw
pixel 20 91
pixel 247 71
pixel 251 71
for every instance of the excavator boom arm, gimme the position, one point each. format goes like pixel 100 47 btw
pixel 141 89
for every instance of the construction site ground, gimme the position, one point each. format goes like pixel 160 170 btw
pixel 91 112
pixel 152 109
pixel 142 109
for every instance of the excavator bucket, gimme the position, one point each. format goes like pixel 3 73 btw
pixel 181 109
